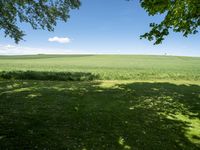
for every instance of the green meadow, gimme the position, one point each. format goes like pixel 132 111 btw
pixel 99 102
pixel 109 67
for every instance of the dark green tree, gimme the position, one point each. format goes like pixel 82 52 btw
pixel 180 16
pixel 40 14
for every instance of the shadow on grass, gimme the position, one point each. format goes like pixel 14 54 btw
pixel 51 76
pixel 98 115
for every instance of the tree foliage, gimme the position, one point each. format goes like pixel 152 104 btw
pixel 180 16
pixel 38 13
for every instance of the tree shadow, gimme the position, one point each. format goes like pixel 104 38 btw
pixel 98 115
pixel 48 75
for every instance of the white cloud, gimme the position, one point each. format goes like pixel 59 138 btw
pixel 64 40
pixel 9 46
pixel 24 50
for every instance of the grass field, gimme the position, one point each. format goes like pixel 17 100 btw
pixel 99 102
pixel 110 67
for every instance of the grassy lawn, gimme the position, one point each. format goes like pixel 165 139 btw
pixel 98 102
pixel 99 115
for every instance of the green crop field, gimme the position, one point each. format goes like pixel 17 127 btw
pixel 110 67
pixel 99 102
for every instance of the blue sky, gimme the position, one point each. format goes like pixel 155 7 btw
pixel 101 27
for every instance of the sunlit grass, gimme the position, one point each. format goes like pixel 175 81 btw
pixel 192 131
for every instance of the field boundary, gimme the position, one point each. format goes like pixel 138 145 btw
pixel 48 75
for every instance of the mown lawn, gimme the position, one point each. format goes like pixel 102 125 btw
pixel 99 115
